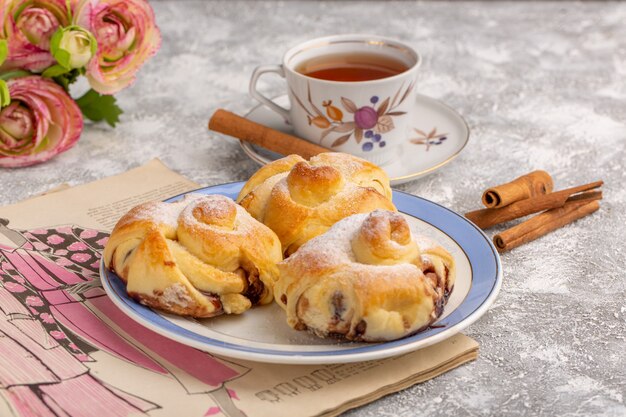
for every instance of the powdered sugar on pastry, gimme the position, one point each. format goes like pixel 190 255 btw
pixel 200 256
pixel 365 279
pixel 160 213
pixel 301 199
pixel 334 245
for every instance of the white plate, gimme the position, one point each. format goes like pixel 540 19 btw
pixel 262 334
pixel 439 135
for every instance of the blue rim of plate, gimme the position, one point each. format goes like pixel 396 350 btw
pixel 486 281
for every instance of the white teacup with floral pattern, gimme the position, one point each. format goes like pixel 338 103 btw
pixel 369 119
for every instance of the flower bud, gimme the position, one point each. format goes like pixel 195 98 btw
pixel 73 47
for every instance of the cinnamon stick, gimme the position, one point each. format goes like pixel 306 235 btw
pixel 526 186
pixel 485 218
pixel 230 124
pixel 543 223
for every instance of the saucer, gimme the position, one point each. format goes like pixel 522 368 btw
pixel 439 134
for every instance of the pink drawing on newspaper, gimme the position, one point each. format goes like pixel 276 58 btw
pixel 56 323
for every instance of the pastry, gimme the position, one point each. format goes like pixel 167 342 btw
pixel 301 199
pixel 200 256
pixel 366 279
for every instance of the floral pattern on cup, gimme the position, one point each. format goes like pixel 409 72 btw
pixel 429 139
pixel 367 122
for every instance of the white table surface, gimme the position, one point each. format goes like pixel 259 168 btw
pixel 542 86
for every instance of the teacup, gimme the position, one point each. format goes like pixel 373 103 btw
pixel 368 118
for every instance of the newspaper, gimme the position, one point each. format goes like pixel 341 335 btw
pixel 65 349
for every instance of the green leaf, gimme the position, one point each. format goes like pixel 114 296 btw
pixel 63 58
pixel 55 71
pixel 9 75
pixel 55 40
pixel 65 79
pixel 5 96
pixel 98 107
pixel 61 55
pixel 4 50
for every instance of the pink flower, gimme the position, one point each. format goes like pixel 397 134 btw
pixel 47 318
pixel 28 27
pixel 40 246
pixel 77 246
pixel 88 233
pixel 57 334
pixel 41 122
pixel 63 262
pixel 61 252
pixel 34 301
pixel 66 230
pixel 80 257
pixel 127 36
pixel 55 239
pixel 13 287
pixel 102 242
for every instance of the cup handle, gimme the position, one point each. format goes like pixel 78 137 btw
pixel 254 93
